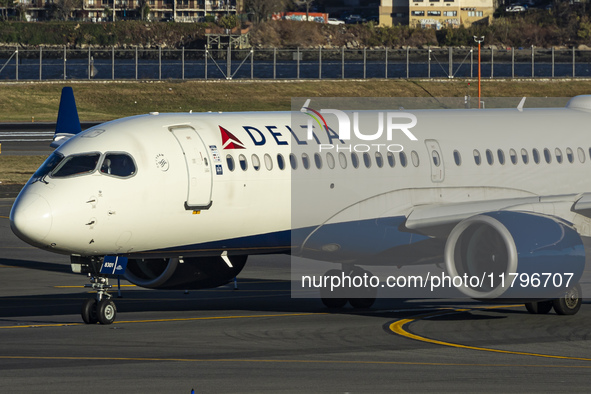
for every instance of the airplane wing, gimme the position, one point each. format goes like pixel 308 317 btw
pixel 438 220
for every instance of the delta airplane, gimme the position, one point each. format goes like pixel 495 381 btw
pixel 185 198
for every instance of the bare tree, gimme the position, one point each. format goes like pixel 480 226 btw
pixel 262 9
pixel 21 9
pixel 308 3
pixel 143 9
pixel 62 9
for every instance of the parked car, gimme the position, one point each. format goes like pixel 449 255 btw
pixel 515 8
pixel 335 21
pixel 353 19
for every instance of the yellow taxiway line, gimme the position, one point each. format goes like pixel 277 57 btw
pixel 293 361
pixel 167 320
pixel 399 328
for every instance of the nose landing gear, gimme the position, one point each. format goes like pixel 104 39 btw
pixel 100 309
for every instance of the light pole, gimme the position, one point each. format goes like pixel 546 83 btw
pixel 479 40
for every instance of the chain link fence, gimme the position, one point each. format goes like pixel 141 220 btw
pixel 157 64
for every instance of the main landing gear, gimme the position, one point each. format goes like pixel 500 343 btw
pixel 568 304
pixel 100 309
pixel 359 297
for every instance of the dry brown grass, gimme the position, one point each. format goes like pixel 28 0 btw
pixel 18 169
pixel 106 101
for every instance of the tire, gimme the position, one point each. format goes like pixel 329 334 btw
pixel 106 311
pixel 362 297
pixel 333 299
pixel 570 303
pixel 539 307
pixel 88 313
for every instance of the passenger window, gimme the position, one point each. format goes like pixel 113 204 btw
pixel 330 160
pixel 354 160
pixel 547 156
pixel 318 160
pixel 342 160
pixel 570 155
pixel 293 161
pixel 415 158
pixel 536 156
pixel 402 157
pixel 581 154
pixel 243 163
pixel 489 157
pixel 513 156
pixel 118 164
pixel 477 158
pixel 558 154
pixel 230 162
pixel 436 158
pixel 256 163
pixel 76 165
pixel 379 160
pixel 305 161
pixel 280 161
pixel 501 156
pixel 391 159
pixel 268 162
pixel 524 156
pixel 367 160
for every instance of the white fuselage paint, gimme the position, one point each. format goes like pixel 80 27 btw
pixel 98 214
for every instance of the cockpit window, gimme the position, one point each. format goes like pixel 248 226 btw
pixel 118 164
pixel 77 165
pixel 52 161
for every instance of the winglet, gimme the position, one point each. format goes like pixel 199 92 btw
pixel 521 103
pixel 68 123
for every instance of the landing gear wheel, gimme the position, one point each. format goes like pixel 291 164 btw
pixel 333 299
pixel 570 303
pixel 89 311
pixel 539 307
pixel 106 311
pixel 364 296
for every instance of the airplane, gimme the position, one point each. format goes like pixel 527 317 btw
pixel 180 200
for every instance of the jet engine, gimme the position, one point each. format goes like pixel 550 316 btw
pixel 514 255
pixel 185 274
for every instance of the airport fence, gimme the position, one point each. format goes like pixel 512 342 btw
pixel 179 64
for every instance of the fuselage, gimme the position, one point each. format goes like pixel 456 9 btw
pixel 200 184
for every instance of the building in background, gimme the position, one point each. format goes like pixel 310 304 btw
pixel 436 13
pixel 394 12
pixel 102 10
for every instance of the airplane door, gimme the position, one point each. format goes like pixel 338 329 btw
pixel 436 160
pixel 198 167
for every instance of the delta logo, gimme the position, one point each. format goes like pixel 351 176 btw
pixel 229 140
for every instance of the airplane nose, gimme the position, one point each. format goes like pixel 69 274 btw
pixel 31 218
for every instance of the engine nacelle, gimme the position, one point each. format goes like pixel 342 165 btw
pixel 497 246
pixel 191 274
